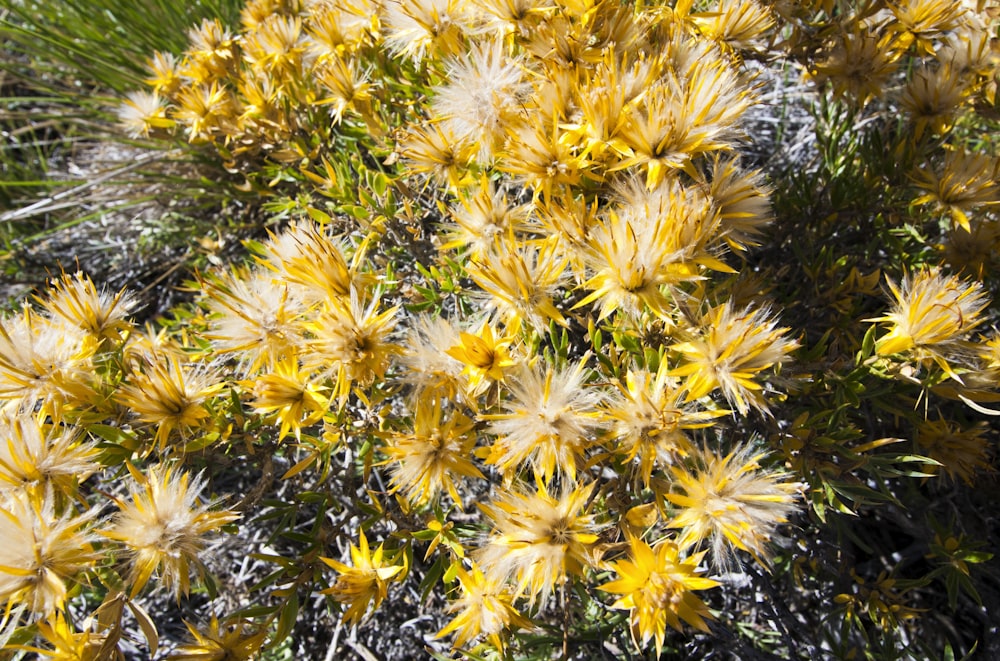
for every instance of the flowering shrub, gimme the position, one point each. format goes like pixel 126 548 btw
pixel 533 343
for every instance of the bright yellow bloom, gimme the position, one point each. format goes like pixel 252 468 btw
pixel 211 52
pixel 650 417
pixel 46 361
pixel 306 256
pixel 230 642
pixel 291 394
pixel 349 88
pixel 170 395
pixel 340 28
pixel 253 317
pixel 731 503
pixel 484 609
pixel 75 300
pixel 655 240
pixel 932 97
pixel 603 95
pixel 657 586
pixel 550 420
pixel 351 342
pixel 522 281
pixel 41 551
pixel 364 583
pixel 736 23
pixel 678 119
pixel 436 151
pixel 538 540
pixel 483 217
pixel 741 200
pixel 538 157
pixel 163 527
pixel 275 48
pixel 484 357
pixel 932 316
pixel 732 349
pixel 963 183
pixel 205 111
pixel 164 77
pixel 425 462
pixel 40 457
pixel 418 28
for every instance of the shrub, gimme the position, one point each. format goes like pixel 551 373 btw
pixel 532 348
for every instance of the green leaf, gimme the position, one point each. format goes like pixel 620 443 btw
pixel 286 621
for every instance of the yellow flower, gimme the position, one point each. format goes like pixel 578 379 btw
pixel 169 394
pixel 163 527
pixel 143 114
pixel 538 540
pixel 205 111
pixel 483 217
pixel 921 21
pixel 164 77
pixel 736 23
pixel 210 53
pixel 604 94
pixel 741 199
pixel 41 550
pixel 230 642
pixel 551 419
pixel 253 317
pixel 40 457
pixel 364 583
pixel 650 417
pixel 349 89
pixel 932 315
pixel 291 394
pixel 75 300
pixel 435 150
pixel 68 644
pixel 657 586
pixel 539 158
pixel 484 357
pixel 275 48
pixel 932 97
pixel 306 256
pixel 415 27
pixel 964 182
pixel 342 27
pixel 484 609
pixel 655 240
pixel 730 502
pixel 522 281
pixel 859 65
pixel 732 349
pixel 426 460
pixel 679 118
pixel 351 341
pixel 46 361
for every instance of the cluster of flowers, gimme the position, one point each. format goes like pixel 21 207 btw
pixel 68 372
pixel 583 157
pixel 936 63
